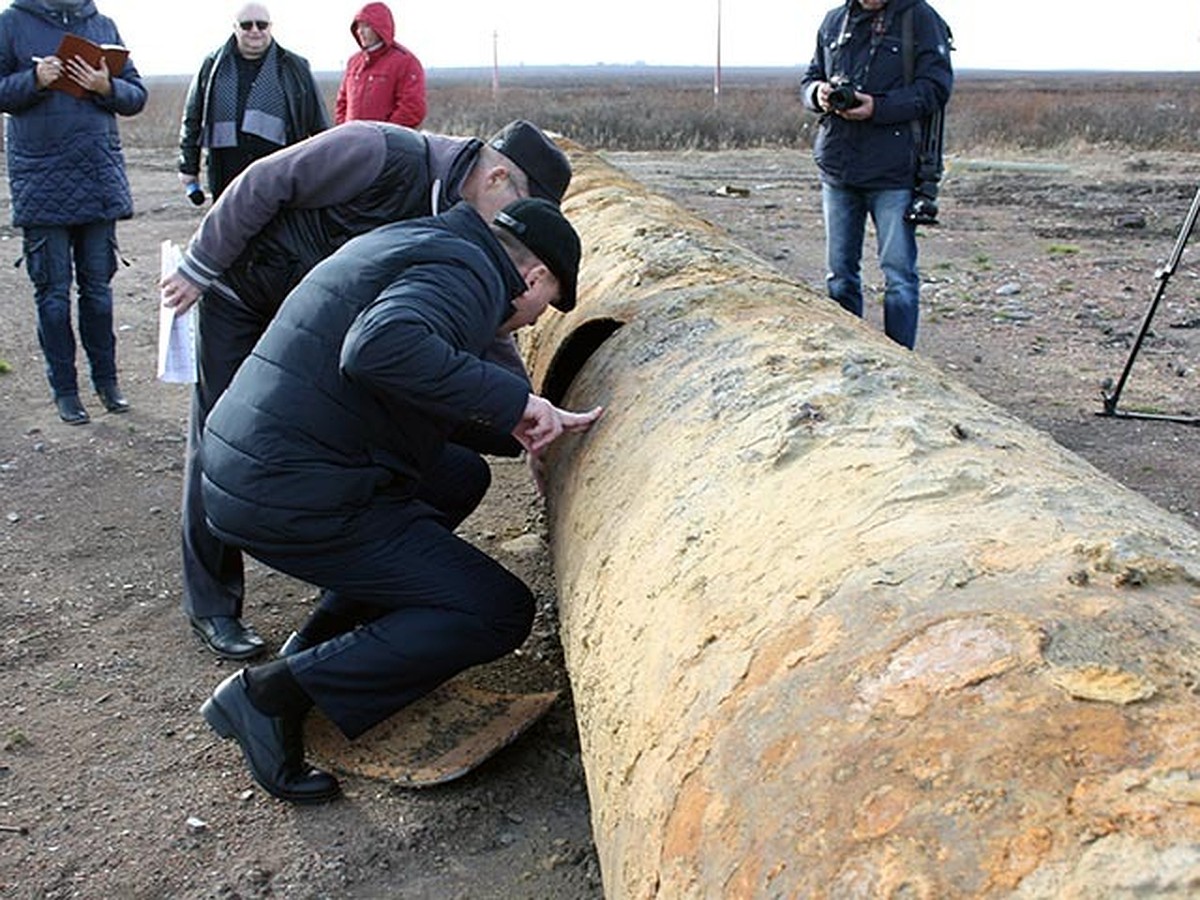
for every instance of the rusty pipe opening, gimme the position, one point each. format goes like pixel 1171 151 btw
pixel 575 350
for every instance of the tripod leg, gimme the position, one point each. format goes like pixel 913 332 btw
pixel 1112 396
pixel 1163 275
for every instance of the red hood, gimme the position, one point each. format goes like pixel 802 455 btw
pixel 379 17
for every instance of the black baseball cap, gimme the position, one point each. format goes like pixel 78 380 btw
pixel 539 158
pixel 540 225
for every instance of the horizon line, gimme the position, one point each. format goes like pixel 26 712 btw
pixel 701 67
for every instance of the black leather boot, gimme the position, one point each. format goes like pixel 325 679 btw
pixel 272 745
pixel 112 398
pixel 228 636
pixel 70 410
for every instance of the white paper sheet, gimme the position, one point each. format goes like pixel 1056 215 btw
pixel 176 334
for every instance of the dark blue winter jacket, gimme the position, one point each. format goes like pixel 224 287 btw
pixel 65 165
pixel 882 152
pixel 370 363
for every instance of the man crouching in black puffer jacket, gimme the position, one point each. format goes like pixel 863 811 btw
pixel 319 458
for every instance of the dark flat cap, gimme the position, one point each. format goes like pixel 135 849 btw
pixel 539 158
pixel 540 225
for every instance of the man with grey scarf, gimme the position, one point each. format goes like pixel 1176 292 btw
pixel 250 97
pixel 66 173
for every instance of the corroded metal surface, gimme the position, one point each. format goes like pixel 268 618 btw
pixel 836 626
pixel 441 737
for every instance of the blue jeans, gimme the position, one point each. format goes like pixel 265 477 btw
pixel 846 210
pixel 51 251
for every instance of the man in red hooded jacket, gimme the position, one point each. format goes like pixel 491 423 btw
pixel 384 81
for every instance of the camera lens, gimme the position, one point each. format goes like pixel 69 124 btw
pixel 842 97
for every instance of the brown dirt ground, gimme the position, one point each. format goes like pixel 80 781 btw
pixel 1035 287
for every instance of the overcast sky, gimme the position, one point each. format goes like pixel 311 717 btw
pixel 1018 34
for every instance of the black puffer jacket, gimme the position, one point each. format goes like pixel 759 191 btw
pixel 368 366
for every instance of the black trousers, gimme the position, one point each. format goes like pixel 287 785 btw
pixel 213 571
pixel 226 332
pixel 437 604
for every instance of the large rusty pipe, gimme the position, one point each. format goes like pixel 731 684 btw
pixel 835 625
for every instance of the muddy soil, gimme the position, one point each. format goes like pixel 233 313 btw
pixel 1036 284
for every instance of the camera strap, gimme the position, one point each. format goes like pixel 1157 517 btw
pixel 908 55
pixel 881 22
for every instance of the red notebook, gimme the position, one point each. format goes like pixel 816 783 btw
pixel 73 45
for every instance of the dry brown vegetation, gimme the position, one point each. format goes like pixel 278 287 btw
pixel 673 109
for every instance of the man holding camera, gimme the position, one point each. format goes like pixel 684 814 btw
pixel 880 78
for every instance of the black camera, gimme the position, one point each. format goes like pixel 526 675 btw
pixel 842 94
pixel 923 210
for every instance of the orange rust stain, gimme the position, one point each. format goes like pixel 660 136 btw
pixel 1099 732
pixel 881 811
pixel 1138 802
pixel 806 641
pixel 769 656
pixel 685 827
pixel 746 880
pixel 1019 856
pixel 777 756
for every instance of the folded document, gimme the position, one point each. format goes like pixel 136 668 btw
pixel 176 334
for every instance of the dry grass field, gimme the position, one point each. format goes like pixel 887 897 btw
pixel 611 108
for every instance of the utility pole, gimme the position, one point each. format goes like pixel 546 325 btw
pixel 495 66
pixel 717 70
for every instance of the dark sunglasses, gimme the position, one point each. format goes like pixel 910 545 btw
pixel 254 23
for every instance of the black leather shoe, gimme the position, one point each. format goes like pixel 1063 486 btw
pixel 112 398
pixel 226 636
pixel 273 746
pixel 70 410
pixel 293 645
